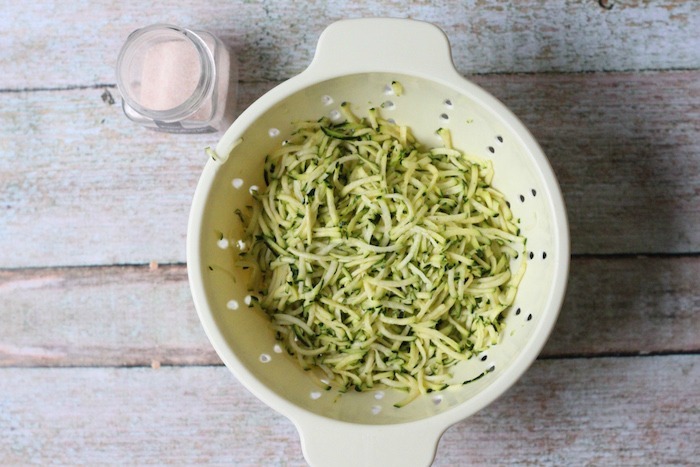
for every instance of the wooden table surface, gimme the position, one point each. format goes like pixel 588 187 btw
pixel 102 357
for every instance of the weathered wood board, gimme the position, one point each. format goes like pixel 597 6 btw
pixel 122 316
pixel 103 359
pixel 486 36
pixel 616 411
pixel 77 188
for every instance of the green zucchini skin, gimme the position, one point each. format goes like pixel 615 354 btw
pixel 381 263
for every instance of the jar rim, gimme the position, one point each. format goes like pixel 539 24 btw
pixel 204 85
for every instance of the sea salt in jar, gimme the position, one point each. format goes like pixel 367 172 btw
pixel 177 80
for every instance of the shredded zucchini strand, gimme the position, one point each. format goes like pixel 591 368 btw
pixel 378 261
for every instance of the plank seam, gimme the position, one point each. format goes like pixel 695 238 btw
pixel 73 87
pixel 576 256
pixel 583 356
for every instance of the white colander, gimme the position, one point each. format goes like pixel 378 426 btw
pixel 356 60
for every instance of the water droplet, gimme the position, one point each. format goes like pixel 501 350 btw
pixel 248 300
pixel 315 395
pixel 237 183
pixel 273 132
pixel 277 348
pixel 223 243
pixel 232 305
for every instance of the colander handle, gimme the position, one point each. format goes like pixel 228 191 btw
pixel 382 45
pixel 340 444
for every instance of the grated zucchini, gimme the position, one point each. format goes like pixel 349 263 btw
pixel 381 262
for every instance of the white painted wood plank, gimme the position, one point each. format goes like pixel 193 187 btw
pixel 629 305
pixel 275 40
pixel 121 316
pixel 624 150
pixel 82 185
pixel 621 411
pixel 116 316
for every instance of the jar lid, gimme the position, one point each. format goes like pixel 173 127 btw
pixel 165 72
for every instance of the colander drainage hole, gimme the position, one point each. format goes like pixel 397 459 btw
pixel 389 105
pixel 522 199
pixel 232 305
pixel 315 395
pixel 277 348
pixel 248 300
pixel 222 243
pixel 335 116
pixel 376 409
pixel 529 317
pixel 327 100
pixel 483 358
pixel 253 189
pixel 448 103
pixel 379 395
pixel 444 117
pixel 437 400
pixel 273 132
pixel 517 312
pixel 499 138
pixel 534 192
pixel 237 183
pixel 544 255
pixel 265 358
pixel 492 150
pixel 241 245
pixel 532 255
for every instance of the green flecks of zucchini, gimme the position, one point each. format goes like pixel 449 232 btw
pixel 363 237
pixel 338 134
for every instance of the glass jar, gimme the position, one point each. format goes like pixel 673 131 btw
pixel 177 80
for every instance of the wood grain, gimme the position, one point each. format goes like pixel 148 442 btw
pixel 123 316
pixel 114 316
pixel 81 185
pixel 275 40
pixel 619 411
pixel 103 359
